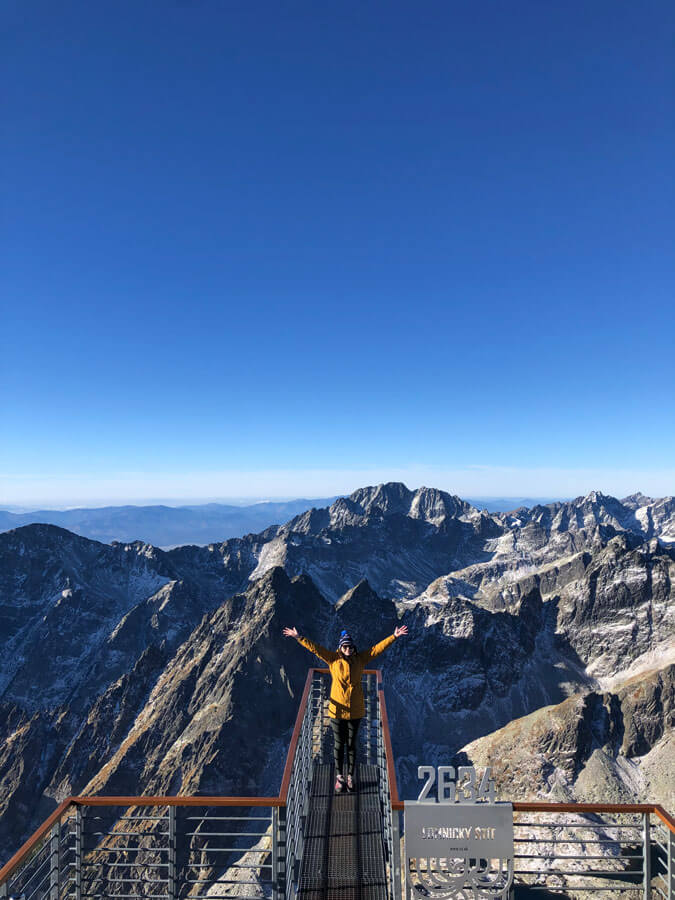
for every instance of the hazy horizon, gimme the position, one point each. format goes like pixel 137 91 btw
pixel 173 501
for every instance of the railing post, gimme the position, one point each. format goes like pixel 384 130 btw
pixel 647 857
pixel 395 855
pixel 275 853
pixel 3 891
pixel 282 843
pixel 54 861
pixel 172 886
pixel 671 864
pixel 369 712
pixel 78 852
pixel 320 716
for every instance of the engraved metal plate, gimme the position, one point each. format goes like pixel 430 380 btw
pixel 458 850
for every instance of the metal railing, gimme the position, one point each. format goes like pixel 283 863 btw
pixel 613 849
pixel 166 847
pixel 314 746
pixel 179 847
pixel 252 847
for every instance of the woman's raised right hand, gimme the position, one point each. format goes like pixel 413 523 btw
pixel 291 632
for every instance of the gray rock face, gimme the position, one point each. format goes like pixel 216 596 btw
pixel 612 747
pixel 399 540
pixel 126 669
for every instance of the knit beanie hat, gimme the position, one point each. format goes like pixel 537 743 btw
pixel 345 640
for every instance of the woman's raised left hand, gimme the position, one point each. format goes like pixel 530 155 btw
pixel 399 631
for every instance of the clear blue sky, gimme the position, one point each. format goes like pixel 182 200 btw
pixel 361 239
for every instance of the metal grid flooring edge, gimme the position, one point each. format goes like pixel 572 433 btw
pixel 343 856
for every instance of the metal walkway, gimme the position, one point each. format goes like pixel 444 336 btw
pixel 344 853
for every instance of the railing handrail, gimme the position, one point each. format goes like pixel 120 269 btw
pixel 656 808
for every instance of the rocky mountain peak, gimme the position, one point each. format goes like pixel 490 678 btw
pixel 390 497
pixel 363 613
pixel 37 535
pixel 362 604
pixel 435 505
pixel 635 501
pixel 394 497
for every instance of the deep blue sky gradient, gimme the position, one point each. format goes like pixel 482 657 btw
pixel 300 235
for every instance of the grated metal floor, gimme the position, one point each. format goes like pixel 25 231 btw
pixel 343 855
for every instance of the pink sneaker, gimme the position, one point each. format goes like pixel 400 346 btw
pixel 339 784
pixel 350 783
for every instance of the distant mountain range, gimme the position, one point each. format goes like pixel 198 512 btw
pixel 172 526
pixel 541 641
pixel 166 526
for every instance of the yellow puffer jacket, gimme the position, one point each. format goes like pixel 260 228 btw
pixel 346 692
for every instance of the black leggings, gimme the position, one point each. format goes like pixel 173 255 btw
pixel 344 731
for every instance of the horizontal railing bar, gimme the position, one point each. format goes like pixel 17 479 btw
pixel 243 849
pixel 584 856
pixel 227 896
pixel 523 806
pixel 233 866
pixel 551 888
pixel 225 818
pixel 130 865
pixel 212 864
pixel 592 825
pixel 222 880
pixel 227 833
pixel 123 880
pixel 572 841
pixel 617 876
pixel 139 817
pixel 124 849
pixel 91 817
pixel 134 896
pixel 150 834
pixel 178 801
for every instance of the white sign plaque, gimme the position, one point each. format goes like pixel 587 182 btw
pixel 480 830
pixel 462 845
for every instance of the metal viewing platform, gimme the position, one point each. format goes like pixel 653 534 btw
pixel 309 843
